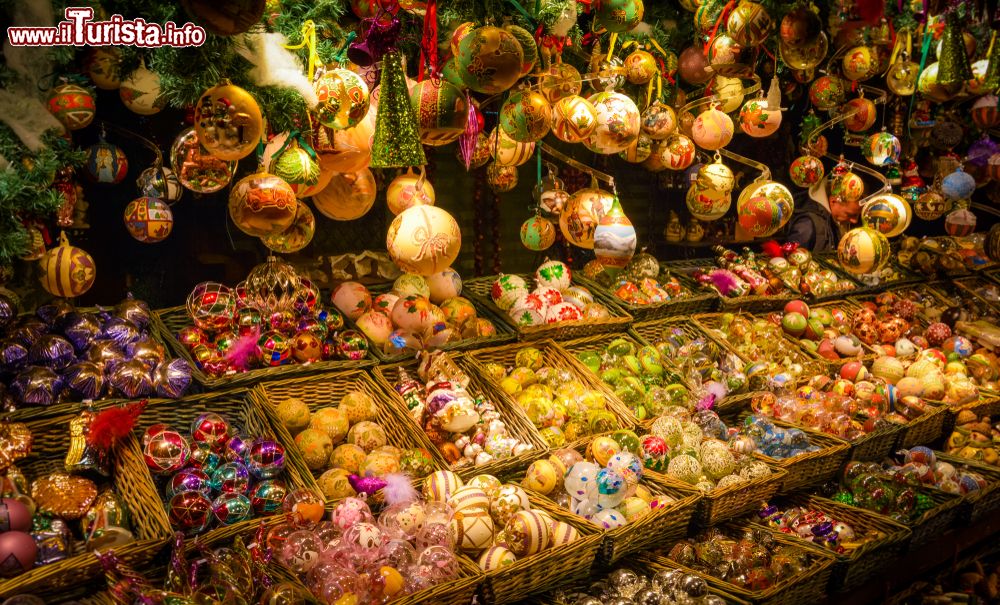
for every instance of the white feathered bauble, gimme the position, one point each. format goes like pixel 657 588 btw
pixel 275 65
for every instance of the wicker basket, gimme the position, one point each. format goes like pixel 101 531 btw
pixel 855 565
pixel 478 289
pixel 693 299
pixel 982 502
pixel 810 468
pixel 925 429
pixel 709 324
pixel 130 481
pixel 326 390
pixel 905 276
pixel 727 503
pixel 803 587
pixel 969 285
pixel 545 570
pixel 517 423
pixel 936 521
pixel 867 354
pixel 552 356
pixel 168 322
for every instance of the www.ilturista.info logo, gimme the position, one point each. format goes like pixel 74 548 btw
pixel 80 29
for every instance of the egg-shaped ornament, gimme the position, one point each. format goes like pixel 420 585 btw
pixel 228 121
pixel 582 213
pixel 343 97
pixel 764 207
pixel 827 92
pixel 148 219
pixel 618 16
pixel 297 236
pixel 806 170
pixel 160 182
pixel 67 271
pixel 931 206
pixel 863 250
pixel 729 93
pixel 806 57
pixel 196 168
pixel 140 92
pixel 441 109
pixel 862 114
pixel 573 119
pixel 658 121
pixel 960 223
pixel 958 185
pixel 538 233
pixel 526 116
pixel 887 213
pixel 617 123
pixel 489 60
pixel 882 149
pixel 106 163
pixel 423 240
pixel 860 63
pixel 712 129
pixel 348 196
pixel 560 80
pixel 708 204
pixel 927 85
pixel 749 24
pixel 614 238
pixel 676 153
pixel 74 106
pixel 640 67
pixel 985 113
pixel 758 120
pixel 508 152
pixel 500 178
pixel 409 189
pixel 262 204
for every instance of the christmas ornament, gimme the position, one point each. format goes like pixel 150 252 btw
pixel 148 219
pixel 691 66
pixel 228 121
pixel 749 24
pixel 764 207
pixel 560 80
pixel 827 92
pixel 677 152
pixel 538 233
pixel 423 240
pixel 161 183
pixel 846 185
pixel 74 106
pixel 862 114
pixel 196 168
pixel 882 149
pixel 757 120
pixel 728 91
pixel 928 85
pixel 106 163
pixel 960 223
pixel 272 287
pixel 985 113
pixel 886 213
pixel 295 164
pixel 901 79
pixel 658 121
pixel 806 171
pixel 800 26
pixel 639 151
pixel 102 65
pixel 863 250
pixel 262 204
pixel 617 123
pixel 408 189
pixel 397 133
pixel 346 150
pixel 551 196
pixel 806 57
pixel 573 119
pixel 954 65
pixel 343 99
pixel 958 185
pixel 348 196
pixel 582 213
pixel 501 178
pixel 211 306
pixel 724 50
pixel 931 206
pixel 489 60
pixel 297 236
pixel 860 63
pixel 508 152
pixel 140 92
pixel 614 238
pixel 67 271
pixel 441 111
pixel 640 67
pixel 526 116
pixel 712 129
pixel 618 16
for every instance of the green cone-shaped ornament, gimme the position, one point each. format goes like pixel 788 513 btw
pixel 397 136
pixel 953 64
pixel 991 82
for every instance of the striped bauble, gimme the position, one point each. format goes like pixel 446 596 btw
pixel 67 271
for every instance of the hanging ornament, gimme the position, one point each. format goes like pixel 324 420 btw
pixel 508 152
pixel 480 152
pixel 348 150
pixel 551 196
pixel 712 129
pixel 140 92
pixel 489 60
pixel 958 185
pixel 106 163
pixel 764 207
pixel 103 65
pixel 527 41
pixel 954 67
pixel 262 204
pixel 409 189
pixel 677 152
pixel 708 15
pixel 441 111
pixel 160 182
pixel 573 119
pixel 424 240
pixel 929 86
pixel 715 175
pixel 757 119
pixel 882 149
pixel 501 178
pixel 710 195
pixel 295 164
pixel 887 213
pixel 67 271
pixel 526 116
pixel 618 16
pixel 724 51
pixel 639 151
pixel 297 236
pixel 560 80
pixel 609 75
pixel 691 66
pixel 582 213
pixel 272 286
pixel 985 113
pixel 901 79
pixel 617 123
pixel 863 250
pixel 807 57
pixel 800 26
pixel 196 168
pixel 614 239
pixel 658 121
pixel 845 185
pixel 729 92
pixel 640 67
pixel 931 206
pixel 148 219
pixel 397 134
pixel 749 24
pixel 74 106
pixel 860 63
pixel 228 121
pixel 960 223
pixel 538 233
pixel 827 92
pixel 806 171
pixel 863 114
pixel 348 196
pixel 343 97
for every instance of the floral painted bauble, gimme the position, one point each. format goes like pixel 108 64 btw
pixel 862 114
pixel 553 274
pixel 409 189
pixel 262 204
pixel 489 60
pixel 228 121
pixel 348 195
pixel 708 204
pixel 886 213
pixel 764 207
pixel 658 121
pixel 960 223
pixel 507 289
pixel 297 236
pixel 806 170
pixel 538 233
pixel 423 240
pixel 676 153
pixel 985 113
pixel 74 106
pixel 882 149
pixel 508 152
pixel 67 271
pixel 581 215
pixel 560 80
pixel 343 99
pixel 352 299
pixel 827 92
pixel 757 120
pixel 860 63
pixel 296 165
pixel 196 168
pixel 528 45
pixel 617 123
pixel 614 238
pixel 148 219
pixel 958 185
pixel 931 206
pixel 441 110
pixel 140 92
pixel 749 24
pixel 640 67
pixel 618 16
pixel 863 250
pixel 927 85
pixel 847 186
pixel 500 178
pixel 573 119
pixel 712 129
pixel 526 116
pixel 106 163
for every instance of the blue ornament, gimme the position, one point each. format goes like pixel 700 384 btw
pixel 958 185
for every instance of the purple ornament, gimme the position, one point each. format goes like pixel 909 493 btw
pixel 189 479
pixel 146 350
pixel 135 311
pixel 81 329
pixel 366 485
pixel 236 448
pixel 54 312
pixel 8 311
pixel 131 379
pixel 13 356
pixel 120 331
pixel 172 378
pixel 265 458
pixel 27 332
pixel 105 353
pixel 980 151
pixel 51 351
pixel 37 386
pixel 85 379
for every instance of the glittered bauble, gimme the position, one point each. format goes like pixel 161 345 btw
pixel 351 345
pixel 508 152
pixel 526 116
pixel 847 186
pixel 74 106
pixel 196 168
pixel 863 114
pixel 228 121
pixel 272 286
pixel 860 63
pixel 749 24
pixel 614 238
pixel 960 223
pixel 886 213
pixel 764 207
pixel 806 171
pixel 211 306
pixel 441 111
pixel 262 204
pixel 296 165
pixel 560 80
pixel 712 129
pixel 929 87
pixel 140 92
pixel 640 67
pixel 348 196
pixel 958 185
pixel 757 120
pixel 538 233
pixel 295 237
pixel 106 163
pixel 423 240
pixel 148 219
pixel 931 206
pixel 343 99
pixel 581 215
pixel 617 123
pixel 489 60
pixel 827 92
pixel 863 250
pixel 882 149
pixel 618 16
pixel 573 119
pixel 658 121
pixel 102 65
pixel 500 178
pixel 67 271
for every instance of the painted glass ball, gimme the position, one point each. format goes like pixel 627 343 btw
pixel 882 149
pixel 423 240
pixel 712 129
pixel 931 206
pixel 887 213
pixel 847 186
pixel 508 152
pixel 526 116
pixel 757 120
pixel 640 67
pixel 560 80
pixel 74 106
pixel 441 111
pixel 618 16
pixel 763 208
pixel 729 92
pixel 148 219
pixel 678 152
pixel 985 113
pixel 617 123
pixel 749 24
pixel 863 114
pixel 806 170
pixel 860 63
pixel 827 92
pixel 581 215
pixel 658 121
pixel 960 223
pixel 538 233
pixel 573 119
pixel 106 163
pixel 708 204
pixel 958 185
pixel 489 60
pixel 863 250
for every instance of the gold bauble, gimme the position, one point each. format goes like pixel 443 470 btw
pixel 573 119
pixel 262 204
pixel 424 240
pixel 348 150
pixel 583 213
pixel 928 85
pixel 297 236
pixel 560 80
pixel 901 79
pixel 640 67
pixel 724 51
pixel 860 63
pixel 508 152
pixel 806 56
pixel 228 122
pixel 489 60
pixel 67 271
pixel 500 178
pixel 348 196
pixel 409 189
pixel 729 92
pixel 749 24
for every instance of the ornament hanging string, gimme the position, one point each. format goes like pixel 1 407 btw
pixel 925 49
pixel 309 42
pixel 428 44
pixel 723 16
pixel 158 162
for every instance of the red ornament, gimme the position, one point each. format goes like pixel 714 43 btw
pixel 17 553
